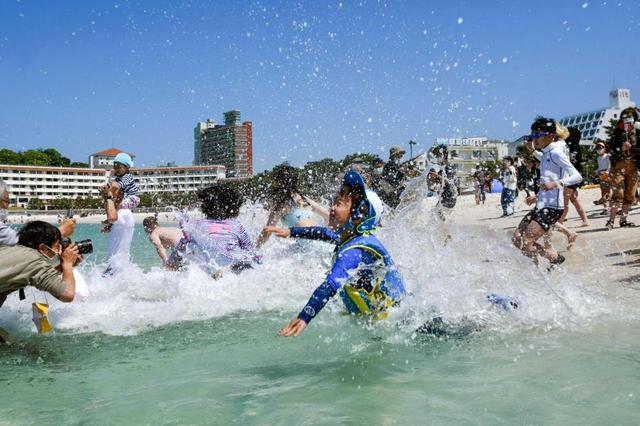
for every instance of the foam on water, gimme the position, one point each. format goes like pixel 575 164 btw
pixel 449 269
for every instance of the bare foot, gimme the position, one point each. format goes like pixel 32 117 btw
pixel 571 239
pixel 584 225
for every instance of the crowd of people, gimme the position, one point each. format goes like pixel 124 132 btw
pixel 363 272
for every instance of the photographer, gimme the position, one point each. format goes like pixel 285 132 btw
pixel 39 260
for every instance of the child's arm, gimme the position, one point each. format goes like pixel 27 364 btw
pixel 308 232
pixel 319 233
pixel 345 263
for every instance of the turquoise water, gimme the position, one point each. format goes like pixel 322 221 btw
pixel 151 347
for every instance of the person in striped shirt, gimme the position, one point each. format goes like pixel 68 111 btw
pixel 121 169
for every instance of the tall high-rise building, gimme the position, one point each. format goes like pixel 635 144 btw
pixel 229 145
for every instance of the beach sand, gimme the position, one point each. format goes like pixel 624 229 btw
pixel 616 251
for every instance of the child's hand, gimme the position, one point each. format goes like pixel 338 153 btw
pixel 280 232
pixel 294 328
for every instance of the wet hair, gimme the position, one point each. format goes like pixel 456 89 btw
pixel 356 194
pixel 38 232
pixel 150 222
pixel 574 136
pixel 220 201
pixel 284 183
pixel 543 124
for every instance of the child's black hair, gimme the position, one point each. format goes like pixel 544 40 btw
pixel 150 223
pixel 543 124
pixel 220 201
pixel 355 193
pixel 37 232
pixel 509 159
pixel 284 183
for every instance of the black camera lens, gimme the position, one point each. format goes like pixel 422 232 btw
pixel 85 246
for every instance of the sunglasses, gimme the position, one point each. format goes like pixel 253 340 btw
pixel 534 136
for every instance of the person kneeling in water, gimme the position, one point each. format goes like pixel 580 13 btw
pixel 363 270
pixel 219 242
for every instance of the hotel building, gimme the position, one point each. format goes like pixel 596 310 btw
pixel 50 183
pixel 592 123
pixel 230 145
pixel 465 153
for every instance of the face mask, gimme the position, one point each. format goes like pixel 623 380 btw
pixel 600 151
pixel 377 171
pixel 53 260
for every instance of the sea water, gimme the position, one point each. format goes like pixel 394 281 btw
pixel 156 347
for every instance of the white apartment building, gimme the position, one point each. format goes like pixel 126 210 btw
pixel 50 183
pixel 465 153
pixel 591 124
pixel 176 179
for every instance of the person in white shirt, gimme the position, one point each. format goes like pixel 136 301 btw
pixel 556 171
pixel 120 231
pixel 509 187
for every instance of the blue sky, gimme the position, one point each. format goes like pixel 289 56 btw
pixel 318 79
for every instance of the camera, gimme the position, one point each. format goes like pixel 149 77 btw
pixel 84 246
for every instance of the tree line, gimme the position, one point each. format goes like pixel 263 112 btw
pixel 37 157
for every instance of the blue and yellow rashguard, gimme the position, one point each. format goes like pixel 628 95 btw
pixel 363 272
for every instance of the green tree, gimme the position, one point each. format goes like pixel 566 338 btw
pixel 8 156
pixel 55 159
pixel 79 164
pixel 34 157
pixel 35 204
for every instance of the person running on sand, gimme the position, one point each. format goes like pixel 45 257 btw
pixel 162 238
pixel 602 174
pixel 556 171
pixel 571 192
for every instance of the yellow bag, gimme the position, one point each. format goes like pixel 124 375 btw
pixel 40 319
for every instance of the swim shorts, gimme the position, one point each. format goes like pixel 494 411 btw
pixel 544 217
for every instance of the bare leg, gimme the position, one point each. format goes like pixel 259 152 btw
pixel 567 194
pixel 579 209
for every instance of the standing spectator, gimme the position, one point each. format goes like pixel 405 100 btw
pixel 393 173
pixel 478 185
pixel 602 174
pixel 556 171
pixel 624 151
pixel 522 173
pixel 509 186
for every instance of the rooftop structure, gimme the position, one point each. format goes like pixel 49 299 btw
pixel 230 145
pixel 592 123
pixel 104 159
pixel 465 153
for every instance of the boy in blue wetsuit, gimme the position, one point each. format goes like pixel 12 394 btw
pixel 363 271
